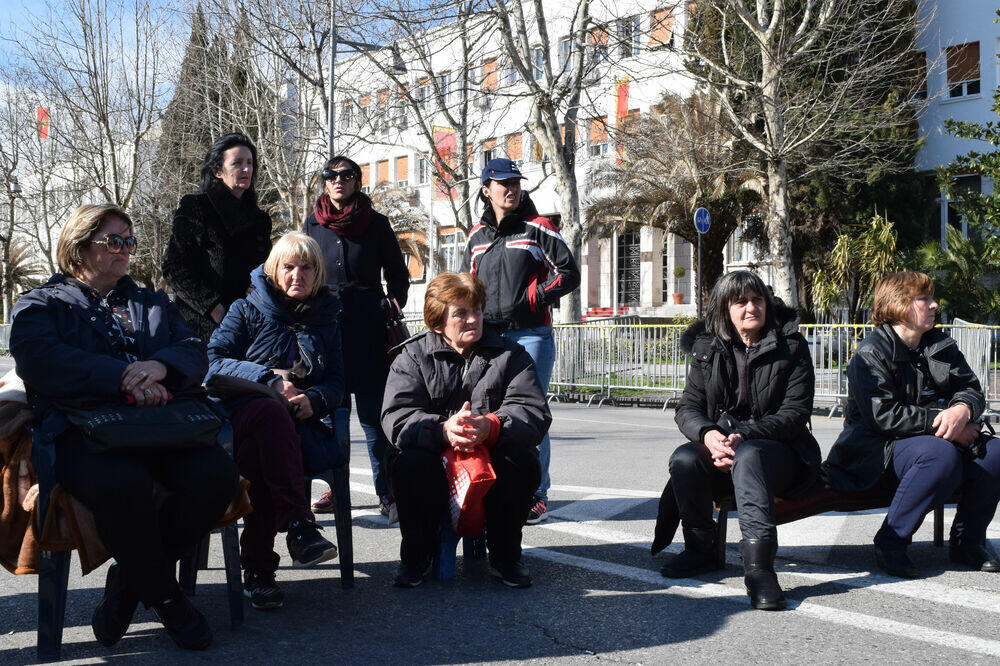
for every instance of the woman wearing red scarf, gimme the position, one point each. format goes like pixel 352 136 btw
pixel 359 249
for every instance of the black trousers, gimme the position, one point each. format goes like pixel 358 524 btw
pixel 762 468
pixel 420 487
pixel 149 508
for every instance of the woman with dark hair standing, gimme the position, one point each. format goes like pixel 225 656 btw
pixel 360 250
pixel 219 235
pixel 745 409
pixel 911 427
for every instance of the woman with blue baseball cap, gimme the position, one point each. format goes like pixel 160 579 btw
pixel 526 267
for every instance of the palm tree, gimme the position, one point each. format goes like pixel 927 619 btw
pixel 20 273
pixel 672 161
pixel 407 218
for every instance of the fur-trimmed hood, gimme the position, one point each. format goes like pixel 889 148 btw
pixel 786 318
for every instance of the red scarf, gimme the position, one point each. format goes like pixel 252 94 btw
pixel 351 221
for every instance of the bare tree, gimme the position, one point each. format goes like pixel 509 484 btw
pixel 807 85
pixel 555 90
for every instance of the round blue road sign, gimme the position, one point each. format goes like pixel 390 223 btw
pixel 702 220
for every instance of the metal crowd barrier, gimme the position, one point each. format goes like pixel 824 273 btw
pixel 4 338
pixel 647 361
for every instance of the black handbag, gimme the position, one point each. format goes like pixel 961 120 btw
pixel 396 331
pixel 182 423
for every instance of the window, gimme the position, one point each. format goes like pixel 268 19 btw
pixel 537 59
pixel 383 171
pixel 444 84
pixel 423 92
pixel 598 42
pixel 490 75
pixel 453 248
pixel 598 140
pixel 514 147
pixel 970 183
pixel 365 178
pixel 921 91
pixel 346 115
pixel 489 150
pixel 423 174
pixel 511 76
pixel 402 171
pixel 963 69
pixel 565 52
pixel 629 36
pixel 661 28
pixel 366 108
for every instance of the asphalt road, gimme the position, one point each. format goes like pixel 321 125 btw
pixel 597 596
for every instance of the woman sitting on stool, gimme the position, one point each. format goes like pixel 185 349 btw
pixel 463 386
pixel 746 408
pixel 909 426
pixel 286 334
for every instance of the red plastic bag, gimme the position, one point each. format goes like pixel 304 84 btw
pixel 470 476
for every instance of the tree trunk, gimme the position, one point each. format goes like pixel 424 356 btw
pixel 572 232
pixel 779 233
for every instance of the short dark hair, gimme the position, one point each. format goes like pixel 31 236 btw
pixel 214 156
pixel 336 159
pixel 727 290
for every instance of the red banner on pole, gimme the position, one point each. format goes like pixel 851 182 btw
pixel 42 120
pixel 445 146
pixel 621 103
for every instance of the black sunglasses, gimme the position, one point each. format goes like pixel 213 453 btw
pixel 115 243
pixel 346 174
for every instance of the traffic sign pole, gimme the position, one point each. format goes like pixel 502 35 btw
pixel 702 223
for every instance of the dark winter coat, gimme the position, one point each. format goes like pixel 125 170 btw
pixel 883 402
pixel 60 343
pixel 429 381
pixel 780 383
pixel 355 268
pixel 261 333
pixel 215 242
pixel 524 263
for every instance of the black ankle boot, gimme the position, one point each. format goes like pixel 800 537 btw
pixel 759 577
pixel 698 556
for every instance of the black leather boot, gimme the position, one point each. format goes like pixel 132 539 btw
pixel 758 574
pixel 698 556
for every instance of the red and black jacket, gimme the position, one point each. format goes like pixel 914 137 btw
pixel 524 263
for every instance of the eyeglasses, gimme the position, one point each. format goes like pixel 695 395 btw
pixel 115 243
pixel 345 175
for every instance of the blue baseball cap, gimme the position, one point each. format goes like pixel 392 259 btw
pixel 500 168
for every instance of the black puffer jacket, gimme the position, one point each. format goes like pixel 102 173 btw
pixel 524 263
pixel 883 402
pixel 429 381
pixel 215 242
pixel 779 380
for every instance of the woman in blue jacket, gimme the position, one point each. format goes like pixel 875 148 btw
pixel 285 334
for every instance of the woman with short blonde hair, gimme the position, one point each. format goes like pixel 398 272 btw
pixel 912 427
pixel 286 334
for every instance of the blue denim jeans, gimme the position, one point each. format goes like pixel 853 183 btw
pixel 369 406
pixel 541 346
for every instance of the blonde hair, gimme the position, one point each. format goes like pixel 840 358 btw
pixel 79 230
pixel 894 294
pixel 296 245
pixel 448 288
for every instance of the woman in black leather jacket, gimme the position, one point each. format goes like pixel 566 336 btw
pixel 910 419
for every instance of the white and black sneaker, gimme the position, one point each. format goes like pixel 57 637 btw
pixel 262 590
pixel 306 546
pixel 512 574
pixel 539 511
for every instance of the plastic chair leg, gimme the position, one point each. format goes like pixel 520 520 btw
pixel 187 577
pixel 939 525
pixel 720 532
pixel 234 583
pixel 53 580
pixel 341 486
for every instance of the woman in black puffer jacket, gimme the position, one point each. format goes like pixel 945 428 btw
pixel 219 235
pixel 746 409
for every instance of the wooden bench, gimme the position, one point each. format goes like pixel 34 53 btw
pixel 815 502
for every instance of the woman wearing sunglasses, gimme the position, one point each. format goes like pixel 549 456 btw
pixel 359 249
pixel 92 336
pixel 219 235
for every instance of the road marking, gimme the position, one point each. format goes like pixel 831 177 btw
pixel 693 588
pixel 614 492
pixel 626 425
pixel 596 508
